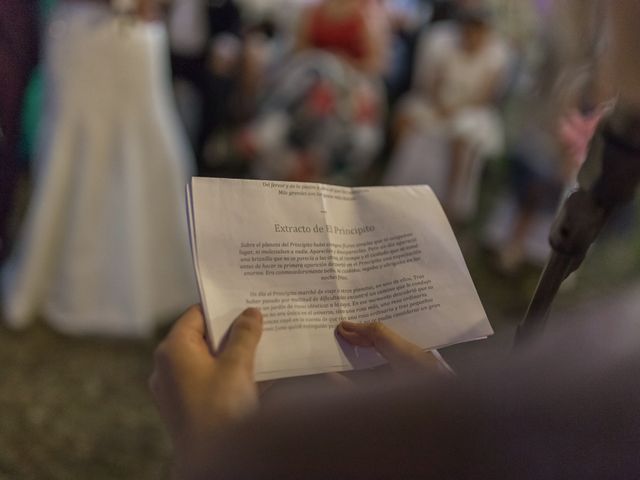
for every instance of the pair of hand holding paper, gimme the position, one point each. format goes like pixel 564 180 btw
pixel 197 393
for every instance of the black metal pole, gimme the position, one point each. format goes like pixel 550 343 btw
pixel 607 180
pixel 557 269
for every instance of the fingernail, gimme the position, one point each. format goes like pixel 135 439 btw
pixel 348 325
pixel 253 312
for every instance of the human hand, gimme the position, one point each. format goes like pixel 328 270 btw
pixel 197 392
pixel 401 354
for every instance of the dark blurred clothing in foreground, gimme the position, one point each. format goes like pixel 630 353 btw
pixel 565 408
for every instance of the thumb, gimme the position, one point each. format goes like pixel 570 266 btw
pixel 393 347
pixel 242 340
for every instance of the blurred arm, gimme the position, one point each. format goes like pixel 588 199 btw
pixel 377 39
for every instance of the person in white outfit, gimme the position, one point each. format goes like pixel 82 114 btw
pixel 451 112
pixel 104 247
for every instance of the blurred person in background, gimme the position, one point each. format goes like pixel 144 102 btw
pixel 446 128
pixel 236 74
pixel 408 18
pixel 321 115
pixel 104 246
pixel 205 39
pixel 558 100
pixel 18 58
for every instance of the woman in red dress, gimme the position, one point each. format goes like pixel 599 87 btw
pixel 322 116
pixel 355 30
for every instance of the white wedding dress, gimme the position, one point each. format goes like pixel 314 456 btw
pixel 104 247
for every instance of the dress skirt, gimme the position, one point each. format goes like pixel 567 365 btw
pixel 104 246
